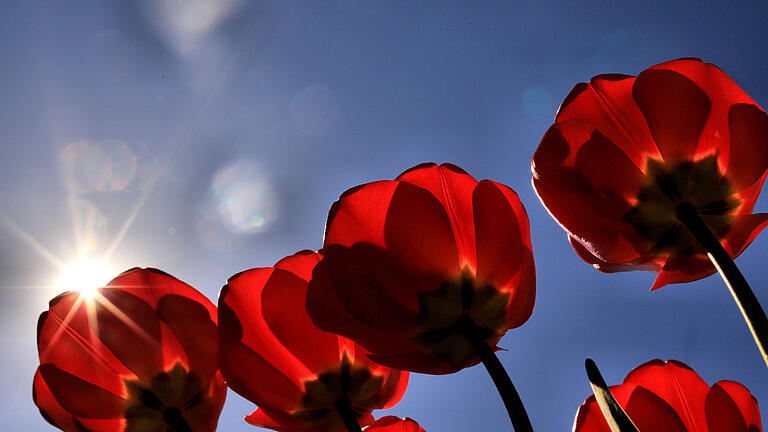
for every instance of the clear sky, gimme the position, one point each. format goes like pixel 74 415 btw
pixel 212 137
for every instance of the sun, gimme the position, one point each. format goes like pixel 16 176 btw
pixel 84 275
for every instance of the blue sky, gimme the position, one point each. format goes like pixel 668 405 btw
pixel 210 138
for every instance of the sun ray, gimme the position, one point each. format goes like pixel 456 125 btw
pixel 103 301
pixel 32 242
pixel 63 326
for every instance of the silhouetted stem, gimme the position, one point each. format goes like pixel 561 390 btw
pixel 617 419
pixel 174 419
pixel 517 414
pixel 344 408
pixel 742 293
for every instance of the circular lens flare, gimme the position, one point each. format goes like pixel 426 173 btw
pixel 85 276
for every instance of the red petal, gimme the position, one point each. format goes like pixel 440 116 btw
pixel 676 110
pixel 607 267
pixel 499 240
pixel 49 408
pixel 745 402
pixel 453 187
pixel 284 308
pixel 371 287
pixel 593 217
pixel 193 328
pixel 748 161
pixel 723 94
pixel 394 424
pixel 723 415
pixel 151 284
pixel 419 232
pixel 678 385
pixel 65 339
pixel 606 104
pixel 683 269
pixel 360 214
pixel 248 373
pixel 328 312
pixel 251 359
pixel 81 398
pixel 651 413
pixel 130 328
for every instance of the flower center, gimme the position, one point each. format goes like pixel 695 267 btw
pixel 344 385
pixel 673 189
pixel 161 403
pixel 458 303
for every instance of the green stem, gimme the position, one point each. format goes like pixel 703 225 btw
pixel 742 293
pixel 515 409
pixel 614 414
pixel 344 408
pixel 175 420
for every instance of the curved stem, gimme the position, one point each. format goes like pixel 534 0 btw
pixel 344 408
pixel 742 293
pixel 515 409
pixel 614 414
pixel 175 420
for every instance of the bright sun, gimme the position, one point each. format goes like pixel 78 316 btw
pixel 84 275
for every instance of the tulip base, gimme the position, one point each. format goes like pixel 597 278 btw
pixel 174 419
pixel 750 307
pixel 343 406
pixel 515 409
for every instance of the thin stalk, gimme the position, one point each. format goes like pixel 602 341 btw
pixel 175 420
pixel 614 414
pixel 740 290
pixel 515 409
pixel 344 408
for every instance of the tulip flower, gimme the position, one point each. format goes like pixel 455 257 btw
pixel 427 271
pixel 137 355
pixel 659 172
pixel 669 396
pixel 301 378
pixel 394 424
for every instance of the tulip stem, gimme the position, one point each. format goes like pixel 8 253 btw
pixel 344 408
pixel 742 293
pixel 515 409
pixel 614 414
pixel 175 420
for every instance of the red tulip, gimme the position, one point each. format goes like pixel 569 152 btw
pixel 626 154
pixel 272 354
pixel 671 397
pixel 140 355
pixel 394 424
pixel 408 259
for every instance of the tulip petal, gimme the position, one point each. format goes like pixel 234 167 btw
pixel 453 187
pixel 723 415
pixel 651 413
pixel 676 110
pixel 744 402
pixel 79 397
pixel 192 326
pixel 678 385
pixel 595 218
pixel 499 240
pixel 285 312
pixel 249 373
pixel 606 104
pixel 49 407
pixel 748 127
pixel 130 328
pixel 418 231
